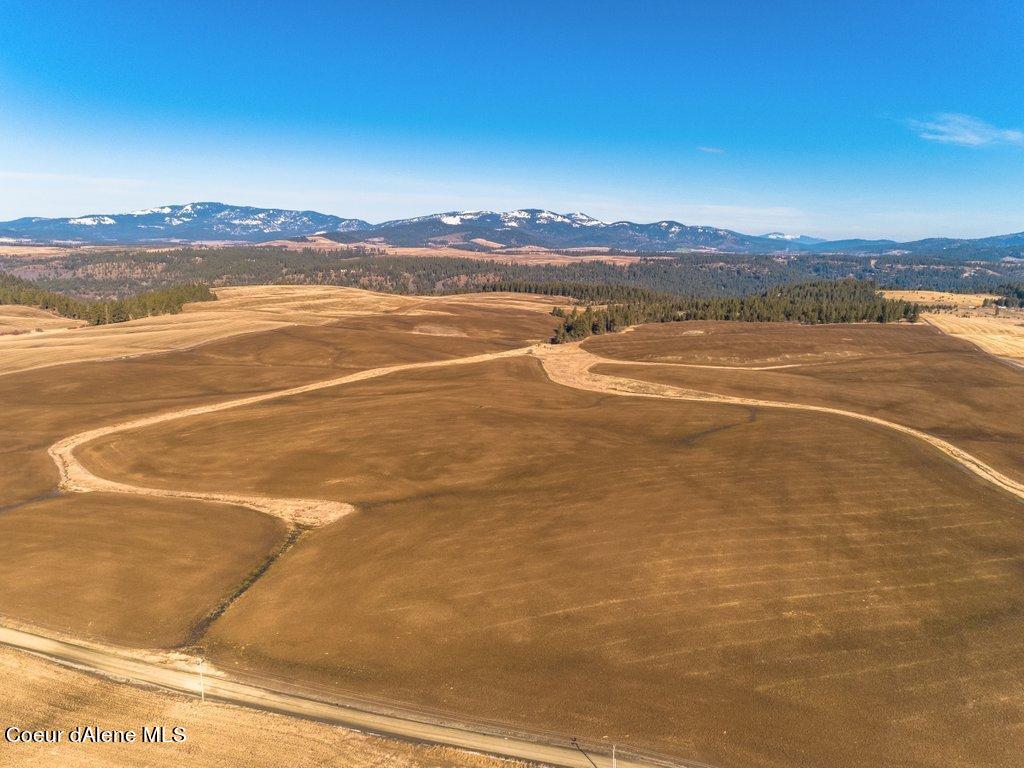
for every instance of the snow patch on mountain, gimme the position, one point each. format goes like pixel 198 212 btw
pixel 581 219
pixel 546 217
pixel 149 211
pixel 192 221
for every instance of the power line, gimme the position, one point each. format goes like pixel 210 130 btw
pixel 577 745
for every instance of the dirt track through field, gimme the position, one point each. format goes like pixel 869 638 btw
pixel 567 364
pixel 570 365
pixel 75 478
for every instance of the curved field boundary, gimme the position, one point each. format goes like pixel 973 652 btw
pixel 570 365
pixel 69 356
pixel 712 367
pixel 75 478
pixel 567 364
pixel 1005 347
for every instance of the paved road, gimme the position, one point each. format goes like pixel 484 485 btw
pixel 182 679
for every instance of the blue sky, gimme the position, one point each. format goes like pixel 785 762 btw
pixel 830 118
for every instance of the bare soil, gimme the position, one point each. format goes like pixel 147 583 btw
pixel 86 549
pixel 737 584
pixel 718 582
pixel 911 375
pixel 141 571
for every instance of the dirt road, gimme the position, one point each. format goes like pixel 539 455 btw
pixel 75 478
pixel 567 364
pixel 570 364
pixel 188 678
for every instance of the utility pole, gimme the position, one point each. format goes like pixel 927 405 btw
pixel 615 763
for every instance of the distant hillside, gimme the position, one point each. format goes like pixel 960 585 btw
pixel 470 230
pixel 184 223
pixel 485 230
pixel 800 239
pixel 489 230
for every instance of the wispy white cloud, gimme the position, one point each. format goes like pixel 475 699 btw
pixel 964 130
pixel 711 150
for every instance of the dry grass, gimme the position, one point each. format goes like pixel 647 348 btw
pixel 529 255
pixel 1001 336
pixel 18 319
pixel 138 337
pixel 41 695
pixel 29 252
pixel 722 583
pixel 246 310
pixel 959 300
pixel 237 311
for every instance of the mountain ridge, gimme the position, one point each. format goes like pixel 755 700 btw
pixel 189 222
pixel 468 230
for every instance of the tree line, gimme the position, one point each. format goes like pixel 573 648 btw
pixel 122 272
pixel 162 301
pixel 843 301
pixel 1010 295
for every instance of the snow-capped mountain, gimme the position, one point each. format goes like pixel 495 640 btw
pixel 802 239
pixel 190 222
pixel 488 230
pixel 548 229
pixel 467 229
pixel 479 230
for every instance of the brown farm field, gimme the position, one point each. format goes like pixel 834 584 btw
pixel 249 310
pixel 112 566
pixel 912 375
pixel 734 584
pixel 542 556
pixel 55 541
